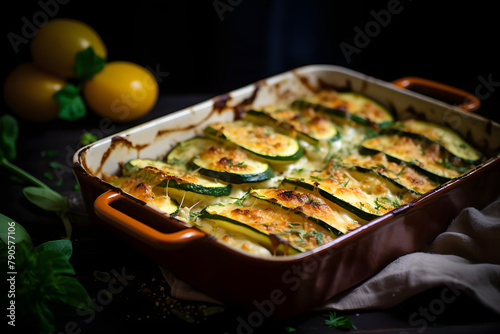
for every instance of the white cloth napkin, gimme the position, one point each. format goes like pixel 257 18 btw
pixel 465 258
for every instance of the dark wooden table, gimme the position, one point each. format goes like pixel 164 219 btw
pixel 142 303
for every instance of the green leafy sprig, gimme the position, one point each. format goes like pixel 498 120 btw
pixel 40 194
pixel 45 279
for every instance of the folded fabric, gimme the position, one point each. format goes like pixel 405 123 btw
pixel 463 259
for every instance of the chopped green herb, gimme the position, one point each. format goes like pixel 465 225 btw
pixel 401 171
pixel 378 205
pixel 449 165
pixel 55 165
pixel 381 166
pixel 314 177
pixel 49 153
pixel 194 215
pixel 239 201
pixel 394 203
pixel 296 231
pixel 175 161
pixel 319 238
pixel 317 235
pixel 239 164
pixel 312 200
pixel 370 133
pixel 399 125
pixel 415 162
pixel 343 322
pixel 258 195
pixel 87 138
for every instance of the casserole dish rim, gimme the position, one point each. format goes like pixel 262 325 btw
pixel 249 89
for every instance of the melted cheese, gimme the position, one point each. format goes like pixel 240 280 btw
pixel 259 139
pixel 307 204
pixel 399 173
pixel 234 160
pixel 441 135
pixel 363 190
pixel 325 174
pixel 413 152
pixel 351 103
pixel 287 227
pixel 235 240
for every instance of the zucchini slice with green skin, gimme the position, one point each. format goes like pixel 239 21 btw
pixel 357 107
pixel 444 136
pixel 281 231
pixel 309 206
pixel 139 187
pixel 364 193
pixel 400 173
pixel 311 126
pixel 429 159
pixel 262 141
pixel 164 175
pixel 221 161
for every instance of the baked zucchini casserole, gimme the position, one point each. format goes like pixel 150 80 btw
pixel 285 179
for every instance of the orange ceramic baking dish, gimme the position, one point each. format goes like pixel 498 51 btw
pixel 284 286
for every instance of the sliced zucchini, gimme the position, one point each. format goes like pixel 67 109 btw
pixel 444 136
pixel 364 193
pixel 309 206
pixel 357 107
pixel 221 161
pixel 400 173
pixel 310 126
pixel 281 231
pixel 139 187
pixel 262 141
pixel 426 158
pixel 164 175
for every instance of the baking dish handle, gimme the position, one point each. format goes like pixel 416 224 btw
pixel 139 230
pixel 463 99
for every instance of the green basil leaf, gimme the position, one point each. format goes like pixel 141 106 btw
pixel 12 229
pixel 87 64
pixel 72 292
pixel 71 105
pixel 46 319
pixel 53 263
pixel 63 246
pixel 9 132
pixel 46 199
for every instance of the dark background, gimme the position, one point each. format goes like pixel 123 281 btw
pixel 206 55
pixel 212 51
